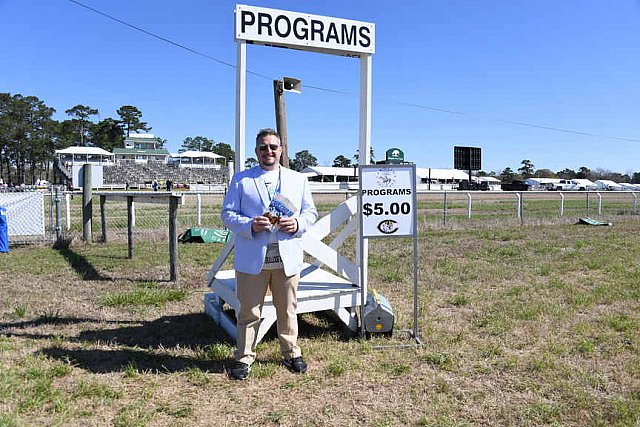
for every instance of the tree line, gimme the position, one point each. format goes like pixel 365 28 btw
pixel 528 170
pixel 29 137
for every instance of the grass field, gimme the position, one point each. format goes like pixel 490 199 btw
pixel 522 326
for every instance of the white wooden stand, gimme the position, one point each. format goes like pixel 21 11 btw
pixel 318 289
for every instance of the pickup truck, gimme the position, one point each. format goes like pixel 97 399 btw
pixel 573 184
pixel 516 185
pixel 564 185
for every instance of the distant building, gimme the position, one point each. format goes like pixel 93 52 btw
pixel 141 148
pixel 393 156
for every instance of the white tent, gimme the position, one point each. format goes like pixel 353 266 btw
pixel 330 174
pixel 541 183
pixel 77 154
pixel 607 184
pixel 585 184
pixel 441 175
pixel 92 151
pixel 197 158
pixel 489 179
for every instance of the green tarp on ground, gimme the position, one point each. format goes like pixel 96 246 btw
pixel 204 235
pixel 591 221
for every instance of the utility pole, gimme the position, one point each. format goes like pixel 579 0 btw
pixel 287 84
pixel 281 120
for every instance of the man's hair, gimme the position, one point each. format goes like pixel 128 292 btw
pixel 266 132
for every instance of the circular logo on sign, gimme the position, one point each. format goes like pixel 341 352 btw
pixel 386 178
pixel 388 226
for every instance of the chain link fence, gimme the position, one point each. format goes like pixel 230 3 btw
pixel 150 221
pixel 42 216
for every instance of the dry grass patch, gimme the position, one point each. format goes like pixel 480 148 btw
pixel 527 326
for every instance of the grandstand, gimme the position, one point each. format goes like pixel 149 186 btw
pixel 138 165
pixel 143 174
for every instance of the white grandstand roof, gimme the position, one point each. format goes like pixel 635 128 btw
pixel 198 154
pixel 91 151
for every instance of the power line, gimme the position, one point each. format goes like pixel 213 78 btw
pixel 408 104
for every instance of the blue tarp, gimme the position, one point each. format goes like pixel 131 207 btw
pixel 4 230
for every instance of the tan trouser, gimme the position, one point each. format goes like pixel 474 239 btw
pixel 251 290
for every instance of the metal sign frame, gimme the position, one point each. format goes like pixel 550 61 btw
pixel 303 31
pixel 364 146
pixel 467 158
pixel 241 80
pixel 391 190
pixel 388 185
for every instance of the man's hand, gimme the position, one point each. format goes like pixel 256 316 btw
pixel 260 223
pixel 288 225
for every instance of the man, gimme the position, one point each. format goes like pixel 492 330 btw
pixel 268 208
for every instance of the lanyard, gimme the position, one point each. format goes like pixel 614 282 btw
pixel 274 189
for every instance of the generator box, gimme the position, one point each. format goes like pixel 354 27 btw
pixel 378 315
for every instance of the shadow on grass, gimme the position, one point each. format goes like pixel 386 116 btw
pixel 87 271
pixel 152 341
pixel 80 264
pixel 182 331
pixel 315 325
pixel 53 319
pixel 107 361
pixel 147 344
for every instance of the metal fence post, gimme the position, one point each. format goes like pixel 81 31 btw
pixel 444 209
pixel 103 217
pixel 130 227
pixel 87 206
pixel 67 205
pixel 199 209
pixel 561 204
pixel 58 214
pixel 51 227
pixel 133 213
pixel 599 203
pixel 469 205
pixel 173 237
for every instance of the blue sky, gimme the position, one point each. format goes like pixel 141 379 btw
pixel 555 82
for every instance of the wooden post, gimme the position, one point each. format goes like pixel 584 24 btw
pixel 130 227
pixel 173 238
pixel 87 207
pixel 281 120
pixel 103 217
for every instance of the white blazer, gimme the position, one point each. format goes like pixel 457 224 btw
pixel 247 198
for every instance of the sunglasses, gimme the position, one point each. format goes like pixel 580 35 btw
pixel 263 147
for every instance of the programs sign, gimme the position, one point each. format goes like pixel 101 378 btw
pixel 304 31
pixel 388 200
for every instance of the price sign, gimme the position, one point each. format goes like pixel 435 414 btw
pixel 387 200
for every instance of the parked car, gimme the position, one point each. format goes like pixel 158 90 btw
pixel 585 184
pixel 516 185
pixel 606 184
